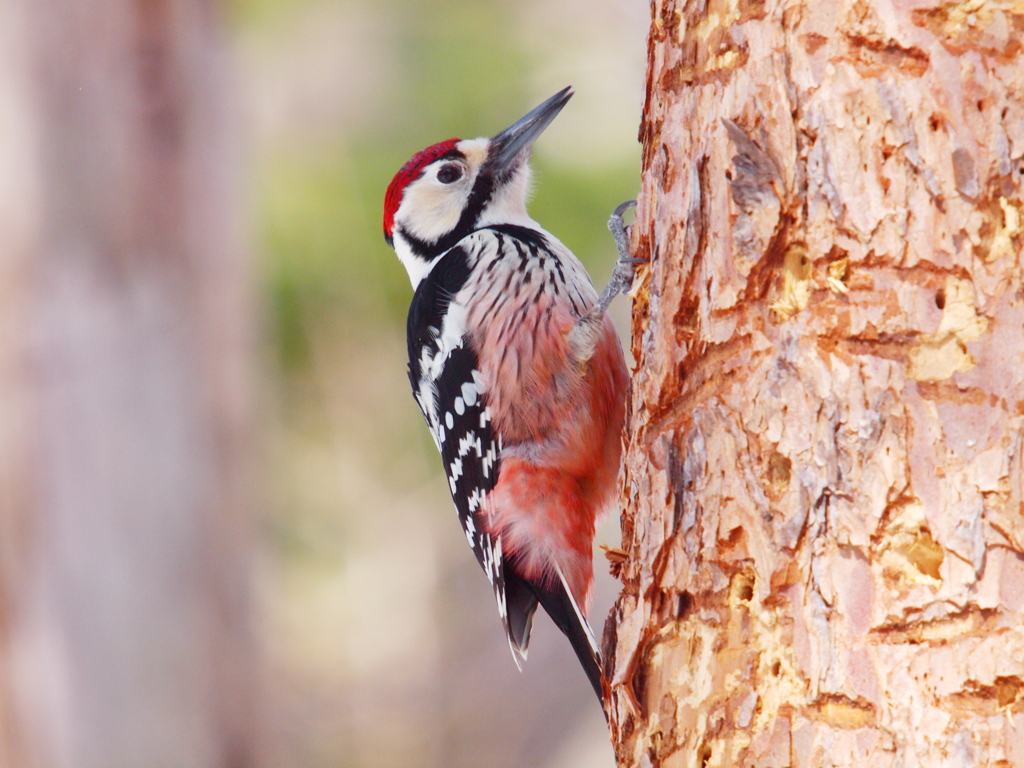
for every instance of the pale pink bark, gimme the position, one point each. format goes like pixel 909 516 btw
pixel 823 475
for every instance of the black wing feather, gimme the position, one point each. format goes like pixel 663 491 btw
pixel 455 408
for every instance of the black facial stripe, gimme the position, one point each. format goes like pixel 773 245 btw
pixel 483 188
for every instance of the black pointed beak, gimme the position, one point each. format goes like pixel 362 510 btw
pixel 511 146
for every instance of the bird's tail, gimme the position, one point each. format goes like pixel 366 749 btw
pixel 563 609
pixel 521 599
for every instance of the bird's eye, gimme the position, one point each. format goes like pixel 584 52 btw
pixel 449 173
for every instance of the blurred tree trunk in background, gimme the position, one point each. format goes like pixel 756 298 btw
pixel 124 616
pixel 823 477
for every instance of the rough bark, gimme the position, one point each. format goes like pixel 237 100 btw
pixel 823 481
pixel 124 629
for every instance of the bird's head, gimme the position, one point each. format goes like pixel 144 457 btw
pixel 449 189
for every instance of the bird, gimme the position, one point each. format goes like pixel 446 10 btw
pixel 518 372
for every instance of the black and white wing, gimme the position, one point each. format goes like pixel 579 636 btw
pixel 448 387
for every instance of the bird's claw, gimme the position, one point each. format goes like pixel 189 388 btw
pixel 622 207
pixel 622 275
pixel 618 228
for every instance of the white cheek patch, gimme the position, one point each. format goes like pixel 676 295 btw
pixel 438 208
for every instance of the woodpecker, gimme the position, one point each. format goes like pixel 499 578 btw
pixel 518 372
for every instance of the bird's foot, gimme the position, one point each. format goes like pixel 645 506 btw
pixel 622 275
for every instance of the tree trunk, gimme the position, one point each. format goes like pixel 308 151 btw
pixel 823 478
pixel 124 628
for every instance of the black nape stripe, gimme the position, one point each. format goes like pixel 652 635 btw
pixel 531 237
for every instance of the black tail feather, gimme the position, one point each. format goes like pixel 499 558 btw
pixel 559 605
pixel 520 603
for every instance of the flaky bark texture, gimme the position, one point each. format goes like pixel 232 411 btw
pixel 124 626
pixel 823 476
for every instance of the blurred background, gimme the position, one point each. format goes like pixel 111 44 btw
pixel 225 538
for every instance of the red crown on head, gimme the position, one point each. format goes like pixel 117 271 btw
pixel 408 174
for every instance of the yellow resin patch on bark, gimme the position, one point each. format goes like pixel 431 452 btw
pixel 1006 230
pixel 935 361
pixel 795 293
pixel 952 627
pixel 837 274
pixel 957 20
pixel 1005 695
pixel 938 356
pixel 906 549
pixel 842 711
